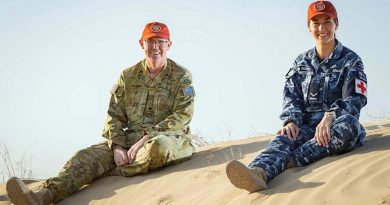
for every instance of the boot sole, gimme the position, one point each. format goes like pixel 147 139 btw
pixel 20 194
pixel 241 177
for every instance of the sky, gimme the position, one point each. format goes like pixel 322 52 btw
pixel 59 60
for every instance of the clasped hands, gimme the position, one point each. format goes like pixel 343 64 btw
pixel 127 157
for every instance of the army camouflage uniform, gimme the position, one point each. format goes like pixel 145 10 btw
pixel 337 84
pixel 161 108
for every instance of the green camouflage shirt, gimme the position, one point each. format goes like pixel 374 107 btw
pixel 140 105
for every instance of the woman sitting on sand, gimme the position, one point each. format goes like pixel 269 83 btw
pixel 324 92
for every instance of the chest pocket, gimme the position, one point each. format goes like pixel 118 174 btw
pixel 315 90
pixel 163 101
pixel 136 95
pixel 335 81
pixel 305 78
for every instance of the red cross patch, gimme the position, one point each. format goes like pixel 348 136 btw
pixel 361 87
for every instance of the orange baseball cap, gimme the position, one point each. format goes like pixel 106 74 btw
pixel 321 7
pixel 155 29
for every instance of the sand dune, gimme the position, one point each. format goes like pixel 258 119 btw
pixel 359 177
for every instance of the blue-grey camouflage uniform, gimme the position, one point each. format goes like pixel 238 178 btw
pixel 312 88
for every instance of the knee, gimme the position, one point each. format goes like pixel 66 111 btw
pixel 280 143
pixel 346 131
pixel 158 147
pixel 349 119
pixel 280 140
pixel 79 161
pixel 158 151
pixel 83 154
pixel 93 154
pixel 347 124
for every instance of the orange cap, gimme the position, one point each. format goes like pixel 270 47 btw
pixel 155 29
pixel 321 7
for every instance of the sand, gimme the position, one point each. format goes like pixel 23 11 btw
pixel 358 177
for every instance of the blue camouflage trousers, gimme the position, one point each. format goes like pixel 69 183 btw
pixel 346 134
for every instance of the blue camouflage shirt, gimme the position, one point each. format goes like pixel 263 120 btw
pixel 314 87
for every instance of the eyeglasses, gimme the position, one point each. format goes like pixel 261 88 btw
pixel 161 43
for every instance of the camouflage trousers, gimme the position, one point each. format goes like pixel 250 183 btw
pixel 346 134
pixel 98 161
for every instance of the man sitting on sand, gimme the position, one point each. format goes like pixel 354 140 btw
pixel 147 126
pixel 325 90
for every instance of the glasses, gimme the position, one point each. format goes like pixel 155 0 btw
pixel 160 43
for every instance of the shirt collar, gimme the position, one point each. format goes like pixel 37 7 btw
pixel 334 55
pixel 145 66
pixel 337 51
pixel 165 72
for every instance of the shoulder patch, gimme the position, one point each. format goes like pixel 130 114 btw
pixel 114 87
pixel 189 91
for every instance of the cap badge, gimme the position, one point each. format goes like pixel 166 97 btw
pixel 319 6
pixel 156 28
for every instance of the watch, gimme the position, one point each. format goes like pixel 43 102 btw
pixel 331 113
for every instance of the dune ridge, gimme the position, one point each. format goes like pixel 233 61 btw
pixel 359 177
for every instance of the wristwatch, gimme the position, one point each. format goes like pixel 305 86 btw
pixel 331 113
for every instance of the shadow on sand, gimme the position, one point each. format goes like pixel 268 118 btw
pixel 217 156
pixel 107 186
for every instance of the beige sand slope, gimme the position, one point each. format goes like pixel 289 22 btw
pixel 358 177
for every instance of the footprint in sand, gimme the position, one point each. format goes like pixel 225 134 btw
pixel 385 200
pixel 166 199
pixel 213 173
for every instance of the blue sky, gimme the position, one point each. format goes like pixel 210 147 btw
pixel 59 59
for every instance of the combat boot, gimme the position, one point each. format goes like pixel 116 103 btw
pixel 243 177
pixel 20 194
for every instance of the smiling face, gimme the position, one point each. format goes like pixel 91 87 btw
pixel 156 50
pixel 323 28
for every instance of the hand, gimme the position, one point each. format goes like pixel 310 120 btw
pixel 120 155
pixel 132 153
pixel 322 135
pixel 291 129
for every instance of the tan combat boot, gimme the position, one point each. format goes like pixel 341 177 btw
pixel 20 194
pixel 250 179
